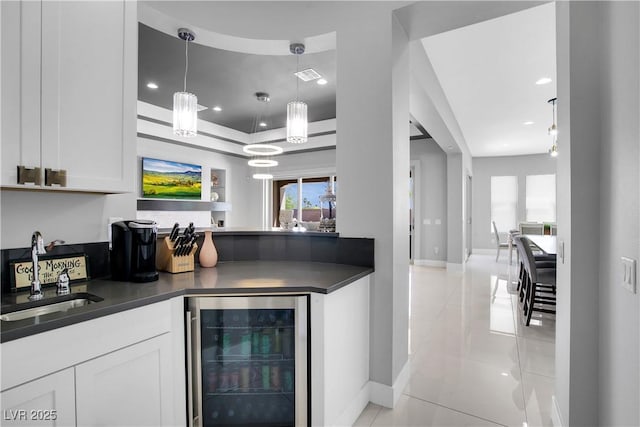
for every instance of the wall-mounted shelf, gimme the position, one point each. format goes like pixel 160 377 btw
pixel 173 205
pixel 220 207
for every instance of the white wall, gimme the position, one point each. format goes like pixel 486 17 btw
pixel 598 323
pixel 372 165
pixel 72 217
pixel 432 186
pixel 309 164
pixel 242 191
pixel 486 167
pixel 455 214
pixel 619 326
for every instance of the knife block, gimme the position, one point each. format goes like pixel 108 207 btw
pixel 167 261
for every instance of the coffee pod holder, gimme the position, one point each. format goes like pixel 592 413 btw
pixel 167 260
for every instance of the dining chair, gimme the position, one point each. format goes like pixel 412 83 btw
pixel 499 244
pixel 542 261
pixel 540 284
pixel 512 245
pixel 531 228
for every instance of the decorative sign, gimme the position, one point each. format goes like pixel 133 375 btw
pixel 49 270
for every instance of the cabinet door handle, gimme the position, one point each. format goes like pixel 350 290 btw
pixel 55 177
pixel 27 175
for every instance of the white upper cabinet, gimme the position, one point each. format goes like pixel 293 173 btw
pixel 69 89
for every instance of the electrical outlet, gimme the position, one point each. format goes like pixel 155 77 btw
pixel 438 222
pixel 436 250
pixel 427 221
pixel 629 274
pixel 111 220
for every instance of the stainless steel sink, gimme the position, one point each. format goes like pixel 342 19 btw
pixel 46 306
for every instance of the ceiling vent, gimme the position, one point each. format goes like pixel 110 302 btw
pixel 308 75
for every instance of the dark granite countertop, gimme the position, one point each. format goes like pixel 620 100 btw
pixel 239 277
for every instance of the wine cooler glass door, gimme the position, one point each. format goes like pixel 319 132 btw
pixel 249 361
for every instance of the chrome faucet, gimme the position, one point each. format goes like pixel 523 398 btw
pixel 38 248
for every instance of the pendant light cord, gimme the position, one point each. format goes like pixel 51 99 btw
pixel 297 78
pixel 186 62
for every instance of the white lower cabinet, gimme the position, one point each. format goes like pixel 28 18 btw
pixel 47 401
pixel 127 369
pixel 128 387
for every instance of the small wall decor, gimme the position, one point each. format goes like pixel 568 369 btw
pixel 164 179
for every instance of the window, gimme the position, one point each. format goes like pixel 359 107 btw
pixel 305 204
pixel 504 202
pixel 541 198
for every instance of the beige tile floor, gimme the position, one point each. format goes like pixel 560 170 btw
pixel 473 362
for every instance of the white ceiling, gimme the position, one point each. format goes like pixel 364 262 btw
pixel 488 73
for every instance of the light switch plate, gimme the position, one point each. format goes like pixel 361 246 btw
pixel 629 274
pixel 438 222
pixel 427 221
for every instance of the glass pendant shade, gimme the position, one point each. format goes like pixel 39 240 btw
pixel 185 114
pixel 296 122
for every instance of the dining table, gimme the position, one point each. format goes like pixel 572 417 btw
pixel 546 243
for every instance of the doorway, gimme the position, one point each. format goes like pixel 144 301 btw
pixel 411 214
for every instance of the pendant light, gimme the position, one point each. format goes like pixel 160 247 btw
pixel 297 110
pixel 261 152
pixel 553 130
pixel 185 104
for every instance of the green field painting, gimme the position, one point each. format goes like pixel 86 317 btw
pixel 163 179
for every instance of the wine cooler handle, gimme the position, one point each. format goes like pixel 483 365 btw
pixel 189 370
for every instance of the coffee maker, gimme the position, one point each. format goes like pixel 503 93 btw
pixel 133 251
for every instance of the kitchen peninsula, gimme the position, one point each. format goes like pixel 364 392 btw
pixel 139 329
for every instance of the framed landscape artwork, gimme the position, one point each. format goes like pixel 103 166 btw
pixel 164 179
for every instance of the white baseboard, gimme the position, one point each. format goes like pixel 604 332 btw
pixel 430 263
pixel 387 396
pixel 355 408
pixel 556 418
pixel 455 267
pixel 485 251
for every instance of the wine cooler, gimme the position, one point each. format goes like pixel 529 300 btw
pixel 248 361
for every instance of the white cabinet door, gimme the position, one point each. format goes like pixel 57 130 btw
pixel 129 387
pixel 89 80
pixel 69 90
pixel 48 401
pixel 20 38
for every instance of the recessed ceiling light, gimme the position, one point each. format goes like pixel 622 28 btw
pixel 262 124
pixel 505 145
pixel 543 81
pixel 152 85
pixel 217 109
pixel 322 81
pixel 527 123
